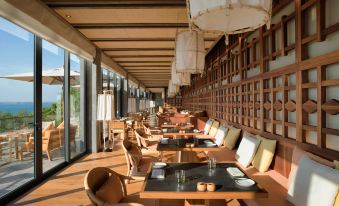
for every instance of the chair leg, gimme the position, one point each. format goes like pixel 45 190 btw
pixel 49 155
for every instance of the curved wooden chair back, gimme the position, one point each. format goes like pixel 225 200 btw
pixel 142 141
pixel 95 178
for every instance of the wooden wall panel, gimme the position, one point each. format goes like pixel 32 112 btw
pixel 265 82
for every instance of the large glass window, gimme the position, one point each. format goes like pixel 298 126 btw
pixel 77 110
pixel 16 106
pixel 105 79
pixel 52 105
pixel 17 103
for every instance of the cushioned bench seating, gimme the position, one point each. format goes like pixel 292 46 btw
pixel 280 188
pixel 272 181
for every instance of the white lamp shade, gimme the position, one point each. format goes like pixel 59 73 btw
pixel 230 16
pixel 105 110
pixel 179 79
pixel 172 89
pixel 190 52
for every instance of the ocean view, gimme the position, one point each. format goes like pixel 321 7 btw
pixel 15 107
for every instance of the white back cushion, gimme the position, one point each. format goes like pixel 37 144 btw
pixel 247 149
pixel 220 135
pixel 313 184
pixel 208 126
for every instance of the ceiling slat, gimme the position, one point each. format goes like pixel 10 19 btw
pixel 128 25
pixel 116 4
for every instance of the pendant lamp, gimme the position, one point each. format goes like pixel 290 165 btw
pixel 230 16
pixel 180 79
pixel 190 52
pixel 172 89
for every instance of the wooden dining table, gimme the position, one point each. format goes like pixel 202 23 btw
pixel 178 126
pixel 187 149
pixel 226 186
pixel 12 138
pixel 178 133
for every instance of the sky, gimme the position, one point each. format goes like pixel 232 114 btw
pixel 17 56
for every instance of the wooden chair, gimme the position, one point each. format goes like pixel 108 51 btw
pixel 51 139
pixel 144 140
pixel 96 177
pixel 4 145
pixel 117 127
pixel 153 133
pixel 137 163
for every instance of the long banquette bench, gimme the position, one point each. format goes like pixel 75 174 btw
pixel 279 175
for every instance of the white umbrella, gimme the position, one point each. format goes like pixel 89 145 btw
pixel 50 77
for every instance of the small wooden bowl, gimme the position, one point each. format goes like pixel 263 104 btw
pixel 210 187
pixel 201 186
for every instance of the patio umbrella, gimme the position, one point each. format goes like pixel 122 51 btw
pixel 50 77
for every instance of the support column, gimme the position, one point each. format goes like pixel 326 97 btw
pixel 94 83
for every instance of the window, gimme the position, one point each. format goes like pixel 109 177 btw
pixel 52 105
pixel 16 106
pixel 77 110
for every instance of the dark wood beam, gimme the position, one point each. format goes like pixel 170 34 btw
pixel 141 55
pixel 122 4
pixel 150 66
pixel 138 39
pixel 142 62
pixel 129 25
pixel 137 49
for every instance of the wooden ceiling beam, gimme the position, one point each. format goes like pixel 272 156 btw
pixel 150 66
pixel 129 25
pixel 141 55
pixel 149 70
pixel 122 4
pixel 137 49
pixel 143 62
pixel 138 39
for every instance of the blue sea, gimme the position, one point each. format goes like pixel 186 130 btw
pixel 15 107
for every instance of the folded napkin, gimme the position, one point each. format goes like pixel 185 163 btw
pixel 158 173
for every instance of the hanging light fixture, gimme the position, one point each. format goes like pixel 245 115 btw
pixel 229 16
pixel 172 89
pixel 180 79
pixel 190 52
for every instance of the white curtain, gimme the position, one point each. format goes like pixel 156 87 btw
pixel 105 110
pixel 132 105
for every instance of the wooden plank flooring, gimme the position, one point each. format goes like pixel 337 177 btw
pixel 67 188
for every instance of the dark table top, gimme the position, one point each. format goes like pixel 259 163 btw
pixel 181 143
pixel 176 130
pixel 197 172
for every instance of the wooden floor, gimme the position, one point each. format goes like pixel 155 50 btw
pixel 67 187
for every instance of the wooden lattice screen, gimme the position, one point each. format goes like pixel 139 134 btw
pixel 282 83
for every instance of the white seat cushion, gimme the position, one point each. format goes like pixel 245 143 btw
pixel 313 184
pixel 220 136
pixel 247 149
pixel 208 126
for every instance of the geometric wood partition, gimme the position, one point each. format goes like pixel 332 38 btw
pixel 282 83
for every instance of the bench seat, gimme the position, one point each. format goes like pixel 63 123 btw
pixel 273 182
